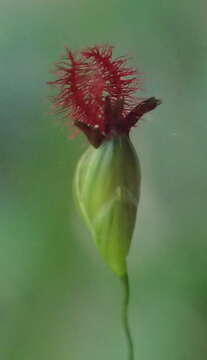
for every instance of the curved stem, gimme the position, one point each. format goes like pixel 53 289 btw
pixel 125 322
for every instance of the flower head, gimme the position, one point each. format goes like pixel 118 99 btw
pixel 97 92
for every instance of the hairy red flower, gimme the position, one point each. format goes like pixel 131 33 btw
pixel 97 92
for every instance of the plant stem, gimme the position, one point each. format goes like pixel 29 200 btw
pixel 125 322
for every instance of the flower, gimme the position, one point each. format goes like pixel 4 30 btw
pixel 97 92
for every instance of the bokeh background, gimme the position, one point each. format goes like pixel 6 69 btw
pixel 58 301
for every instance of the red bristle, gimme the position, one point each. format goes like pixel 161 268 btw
pixel 113 72
pixel 97 92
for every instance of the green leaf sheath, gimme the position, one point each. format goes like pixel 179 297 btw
pixel 107 183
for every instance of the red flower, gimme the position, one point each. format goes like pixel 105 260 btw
pixel 96 91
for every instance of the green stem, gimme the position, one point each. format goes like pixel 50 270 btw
pixel 125 322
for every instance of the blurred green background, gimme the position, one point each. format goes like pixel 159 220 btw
pixel 58 300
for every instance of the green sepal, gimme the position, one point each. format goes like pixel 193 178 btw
pixel 107 182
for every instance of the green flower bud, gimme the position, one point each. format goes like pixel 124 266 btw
pixel 107 183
